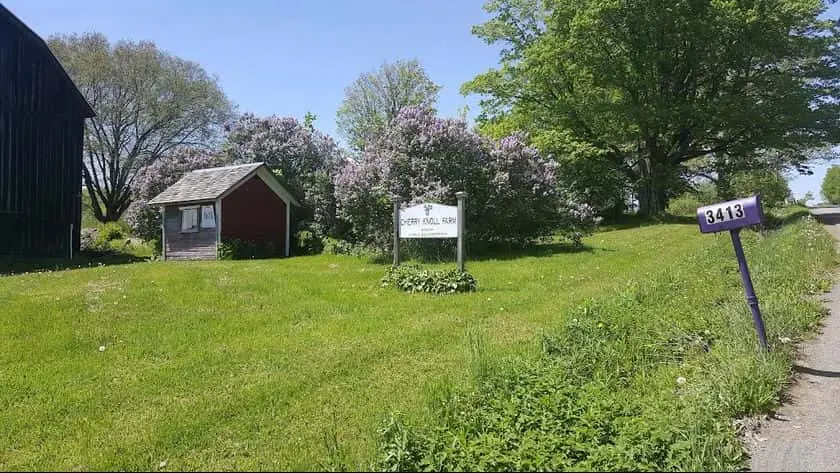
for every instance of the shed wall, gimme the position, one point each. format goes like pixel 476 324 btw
pixel 253 212
pixel 187 246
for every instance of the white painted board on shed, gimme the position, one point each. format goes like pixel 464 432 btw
pixel 429 221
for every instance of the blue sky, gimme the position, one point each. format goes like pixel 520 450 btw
pixel 288 57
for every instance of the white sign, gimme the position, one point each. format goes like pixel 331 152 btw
pixel 429 221
pixel 208 218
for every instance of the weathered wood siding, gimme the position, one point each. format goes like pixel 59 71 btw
pixel 253 212
pixel 41 139
pixel 187 246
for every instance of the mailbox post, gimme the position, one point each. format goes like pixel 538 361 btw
pixel 734 215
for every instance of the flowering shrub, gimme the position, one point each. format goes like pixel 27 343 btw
pixel 153 179
pixel 513 196
pixel 303 159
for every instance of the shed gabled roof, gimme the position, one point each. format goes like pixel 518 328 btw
pixel 84 106
pixel 212 183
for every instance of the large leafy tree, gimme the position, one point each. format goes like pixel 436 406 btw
pixel 831 185
pixel 375 98
pixel 304 160
pixel 769 184
pixel 147 102
pixel 655 87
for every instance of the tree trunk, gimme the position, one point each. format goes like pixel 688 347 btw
pixel 723 185
pixel 652 189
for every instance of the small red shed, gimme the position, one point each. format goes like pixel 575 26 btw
pixel 244 202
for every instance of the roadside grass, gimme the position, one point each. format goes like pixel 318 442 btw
pixel 649 376
pixel 269 364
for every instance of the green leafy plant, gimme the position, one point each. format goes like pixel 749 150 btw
pixel 831 185
pixel 90 241
pixel 308 243
pixel 111 231
pixel 334 246
pixel 770 184
pixel 234 248
pixel 684 205
pixel 415 278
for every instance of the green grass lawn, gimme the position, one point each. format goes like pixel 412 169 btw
pixel 264 364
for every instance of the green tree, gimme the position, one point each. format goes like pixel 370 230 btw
pixel 831 185
pixel 656 86
pixel 309 120
pixel 770 184
pixel 375 98
pixel 147 103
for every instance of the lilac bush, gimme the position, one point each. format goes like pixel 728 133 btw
pixel 513 196
pixel 364 199
pixel 304 159
pixel 153 179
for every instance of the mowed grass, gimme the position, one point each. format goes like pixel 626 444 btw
pixel 257 364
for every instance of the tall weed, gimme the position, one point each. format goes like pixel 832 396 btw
pixel 650 378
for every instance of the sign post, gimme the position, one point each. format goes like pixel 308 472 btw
pixel 396 232
pixel 462 196
pixel 431 221
pixel 734 215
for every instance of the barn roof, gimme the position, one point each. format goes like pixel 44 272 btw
pixel 212 183
pixel 84 107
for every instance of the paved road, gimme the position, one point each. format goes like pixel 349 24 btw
pixel 805 433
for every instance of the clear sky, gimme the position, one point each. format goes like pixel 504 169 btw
pixel 288 57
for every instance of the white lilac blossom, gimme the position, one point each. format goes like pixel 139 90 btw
pixel 304 160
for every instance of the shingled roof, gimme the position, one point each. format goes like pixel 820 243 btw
pixel 209 184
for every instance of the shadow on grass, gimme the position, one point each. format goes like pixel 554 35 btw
pixel 10 265
pixel 539 250
pixel 771 221
pixel 626 222
pixel 795 215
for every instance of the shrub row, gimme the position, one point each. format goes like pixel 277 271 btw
pixel 234 248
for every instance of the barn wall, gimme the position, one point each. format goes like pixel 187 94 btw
pixel 188 246
pixel 41 139
pixel 253 212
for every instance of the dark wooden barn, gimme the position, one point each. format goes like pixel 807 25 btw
pixel 208 206
pixel 42 117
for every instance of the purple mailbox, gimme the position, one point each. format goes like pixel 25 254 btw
pixel 733 215
pixel 730 215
